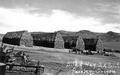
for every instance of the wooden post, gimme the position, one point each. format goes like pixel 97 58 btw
pixel 39 69
pixel 2 68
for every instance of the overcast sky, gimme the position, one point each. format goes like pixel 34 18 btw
pixel 54 15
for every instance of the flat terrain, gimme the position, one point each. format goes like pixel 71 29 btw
pixel 112 45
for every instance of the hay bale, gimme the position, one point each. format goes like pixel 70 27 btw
pixel 51 40
pixel 44 39
pixel 70 41
pixel 99 46
pixel 26 39
pixel 18 38
pixel 59 42
pixel 89 39
pixel 80 43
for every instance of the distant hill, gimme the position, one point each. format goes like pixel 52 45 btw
pixel 86 34
pixel 66 33
pixel 110 37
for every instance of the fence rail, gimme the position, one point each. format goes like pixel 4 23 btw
pixel 38 70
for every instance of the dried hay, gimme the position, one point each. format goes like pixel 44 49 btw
pixel 80 43
pixel 99 46
pixel 59 42
pixel 52 40
pixel 70 41
pixel 18 38
pixel 26 40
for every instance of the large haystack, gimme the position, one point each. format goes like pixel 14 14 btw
pixel 18 38
pixel 59 42
pixel 52 40
pixel 26 39
pixel 89 39
pixel 99 46
pixel 90 44
pixel 80 43
pixel 70 41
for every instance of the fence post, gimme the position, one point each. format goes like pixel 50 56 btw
pixel 39 69
pixel 2 68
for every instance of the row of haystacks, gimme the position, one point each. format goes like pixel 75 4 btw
pixel 80 40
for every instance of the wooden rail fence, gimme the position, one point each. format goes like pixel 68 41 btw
pixel 10 68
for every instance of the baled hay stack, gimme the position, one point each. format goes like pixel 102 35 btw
pixel 70 41
pixel 52 40
pixel 89 39
pixel 99 46
pixel 59 42
pixel 80 43
pixel 44 39
pixel 18 38
pixel 26 39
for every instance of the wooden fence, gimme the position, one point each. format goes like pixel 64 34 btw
pixel 37 70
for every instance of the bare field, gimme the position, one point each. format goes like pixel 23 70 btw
pixel 112 45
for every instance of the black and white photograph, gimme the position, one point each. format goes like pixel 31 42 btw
pixel 59 37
